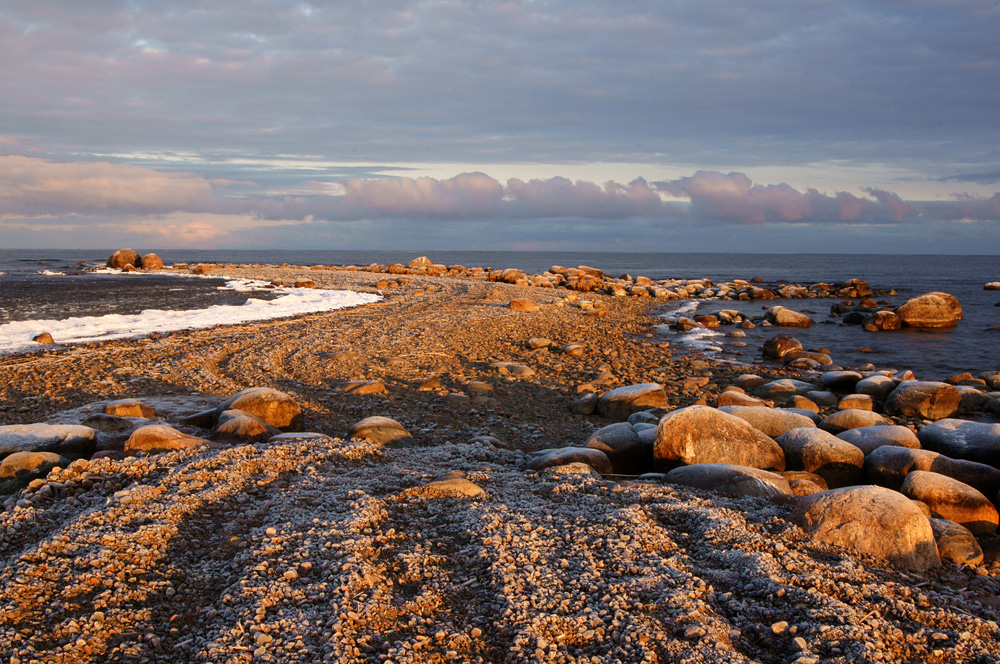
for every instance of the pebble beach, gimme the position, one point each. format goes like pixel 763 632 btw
pixel 436 534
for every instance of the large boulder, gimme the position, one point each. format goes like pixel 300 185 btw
pixel 236 427
pixel 783 389
pixel 852 418
pixel 701 434
pixel 596 459
pixel 157 438
pixel 888 466
pixel 927 399
pixel 772 421
pixel 730 480
pixel 956 543
pixel 877 386
pixel 816 451
pixel 953 500
pixel 738 398
pixel 419 262
pixel 129 408
pixel 963 439
pixel 628 452
pixel 151 262
pixel 274 407
pixel 69 440
pixel 873 521
pixel 123 257
pixel 19 468
pixel 869 439
pixel 785 317
pixel 382 431
pixel 777 346
pixel 931 310
pixel 621 402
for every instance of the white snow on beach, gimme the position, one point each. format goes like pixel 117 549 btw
pixel 16 337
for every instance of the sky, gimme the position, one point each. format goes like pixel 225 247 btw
pixel 805 126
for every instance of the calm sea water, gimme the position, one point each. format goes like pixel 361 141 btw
pixel 972 346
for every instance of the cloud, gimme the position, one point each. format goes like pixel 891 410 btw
pixel 36 187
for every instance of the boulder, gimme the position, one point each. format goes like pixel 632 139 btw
pixel 108 423
pixel 956 543
pixel 584 405
pixel 869 439
pixel 927 399
pixel 453 487
pixel 931 310
pixel 953 500
pixel 129 408
pixel 520 304
pixel 815 451
pixel 29 465
pixel 840 381
pixel 156 438
pixel 749 382
pixel 621 402
pixel 881 321
pixel 43 338
pixel 238 428
pixel 68 440
pixel 971 399
pixel 795 476
pixel 785 317
pixel 150 262
pixel 777 346
pixel 420 262
pixel 628 453
pixel 856 402
pixel 877 386
pixel 888 466
pixel 783 389
pixel 736 398
pixel 276 408
pixel 701 434
pixel 851 418
pixel 596 459
pixel 731 480
pixel 963 439
pixel 772 421
pixel 570 469
pixel 382 431
pixel 123 257
pixel 873 521
pixel 363 386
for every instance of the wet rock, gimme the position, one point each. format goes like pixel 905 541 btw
pixel 383 431
pixel 238 428
pixel 871 520
pixel 777 346
pixel 157 438
pixel 815 451
pixel 771 421
pixel 596 459
pixel 701 434
pixel 123 257
pixel 68 440
pixel 956 543
pixel 931 310
pixel 881 321
pixel 621 402
pixel 926 399
pixel 276 408
pixel 628 453
pixel 785 317
pixel 852 418
pixel 888 466
pixel 129 408
pixel 953 500
pixel 870 438
pixel 730 480
pixel 963 439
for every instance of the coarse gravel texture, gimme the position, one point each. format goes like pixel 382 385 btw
pixel 314 548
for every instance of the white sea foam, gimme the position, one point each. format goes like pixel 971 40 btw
pixel 16 337
pixel 701 339
pixel 50 273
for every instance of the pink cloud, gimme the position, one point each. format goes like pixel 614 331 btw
pixel 36 187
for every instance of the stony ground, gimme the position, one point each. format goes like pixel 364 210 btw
pixel 329 550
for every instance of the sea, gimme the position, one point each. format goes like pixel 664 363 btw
pixel 40 287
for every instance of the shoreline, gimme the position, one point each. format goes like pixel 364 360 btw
pixel 337 546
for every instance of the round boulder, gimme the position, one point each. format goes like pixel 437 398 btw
pixel 69 440
pixel 123 257
pixel 626 450
pixel 888 466
pixel 783 389
pixel 596 459
pixel 815 451
pixel 873 521
pixel 877 386
pixel 956 543
pixel 840 381
pixel 785 317
pixel 382 431
pixel 931 310
pixel 156 438
pixel 868 439
pixel 274 407
pixel 777 346
pixel 928 399
pixel 151 262
pixel 963 439
pixel 238 428
pixel 953 500
pixel 701 434
pixel 772 421
pixel 852 418
pixel 731 480
pixel 28 465
pixel 621 402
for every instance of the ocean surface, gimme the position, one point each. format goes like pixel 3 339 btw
pixel 51 285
